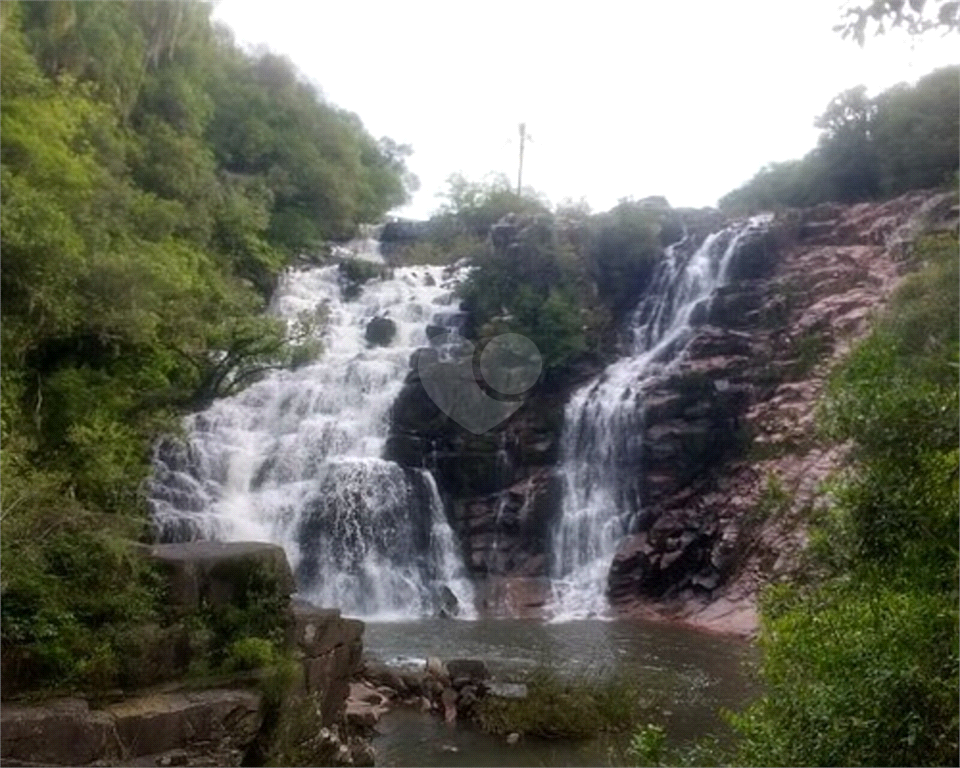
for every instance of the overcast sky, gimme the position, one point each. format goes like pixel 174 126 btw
pixel 623 99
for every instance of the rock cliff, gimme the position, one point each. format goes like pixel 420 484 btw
pixel 730 454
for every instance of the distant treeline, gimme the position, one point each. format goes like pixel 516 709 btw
pixel 904 138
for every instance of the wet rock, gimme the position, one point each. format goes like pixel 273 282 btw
pixel 435 667
pixel 468 699
pixel 507 690
pixel 468 669
pixel 362 714
pixel 513 738
pixel 447 604
pixel 448 701
pixel 380 331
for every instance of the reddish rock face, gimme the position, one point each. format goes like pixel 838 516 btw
pixel 725 521
pixel 727 432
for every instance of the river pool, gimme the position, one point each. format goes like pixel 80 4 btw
pixel 689 675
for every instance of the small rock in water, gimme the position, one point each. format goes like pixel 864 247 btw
pixel 513 738
pixel 507 690
pixel 435 667
pixel 450 748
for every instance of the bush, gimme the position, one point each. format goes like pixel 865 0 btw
pixel 354 273
pixel 249 653
pixel 570 709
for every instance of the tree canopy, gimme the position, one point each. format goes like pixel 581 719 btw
pixel 916 17
pixel 155 180
pixel 904 138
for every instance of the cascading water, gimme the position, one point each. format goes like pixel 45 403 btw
pixel 295 458
pixel 602 440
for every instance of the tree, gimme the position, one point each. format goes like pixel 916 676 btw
pixel 917 17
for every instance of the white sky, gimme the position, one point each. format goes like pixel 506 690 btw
pixel 685 99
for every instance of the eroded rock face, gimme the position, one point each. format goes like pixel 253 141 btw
pixel 737 410
pixel 332 648
pixel 209 727
pixel 732 459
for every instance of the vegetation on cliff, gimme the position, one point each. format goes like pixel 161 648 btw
pixel 562 278
pixel 155 180
pixel 860 653
pixel 904 138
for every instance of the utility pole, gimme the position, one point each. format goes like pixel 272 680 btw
pixel 523 137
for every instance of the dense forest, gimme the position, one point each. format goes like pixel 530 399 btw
pixel 155 181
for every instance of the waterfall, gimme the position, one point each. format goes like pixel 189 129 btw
pixel 601 445
pixel 295 459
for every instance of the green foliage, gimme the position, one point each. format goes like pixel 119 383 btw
pixel 624 249
pixel 563 287
pixel 473 207
pixel 861 655
pixel 155 181
pixel 299 737
pixel 250 653
pixel 354 273
pixel 570 709
pixel 448 249
pixel 647 745
pixel 916 17
pixel 292 732
pixel 904 138
pixel 538 287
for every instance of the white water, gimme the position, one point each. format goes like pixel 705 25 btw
pixel 295 459
pixel 601 443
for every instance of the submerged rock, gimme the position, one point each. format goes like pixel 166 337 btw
pixel 447 604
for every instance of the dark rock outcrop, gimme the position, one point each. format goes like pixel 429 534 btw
pixel 220 573
pixel 380 331
pixel 798 294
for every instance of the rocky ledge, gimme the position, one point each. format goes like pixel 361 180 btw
pixel 183 720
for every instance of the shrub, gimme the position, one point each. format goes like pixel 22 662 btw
pixel 249 653
pixel 571 709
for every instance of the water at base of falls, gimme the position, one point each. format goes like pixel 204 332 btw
pixel 601 445
pixel 295 459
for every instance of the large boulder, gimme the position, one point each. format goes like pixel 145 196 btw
pixel 219 720
pixel 332 647
pixel 64 732
pixel 208 727
pixel 471 670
